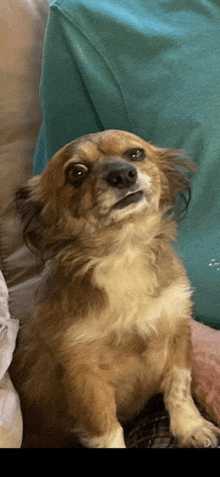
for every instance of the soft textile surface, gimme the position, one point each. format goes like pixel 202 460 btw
pixel 100 85
pixel 151 428
pixel 10 413
pixel 151 68
pixel 206 368
pixel 21 37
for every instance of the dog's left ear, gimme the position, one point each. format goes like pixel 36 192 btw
pixel 29 209
pixel 177 171
pixel 39 220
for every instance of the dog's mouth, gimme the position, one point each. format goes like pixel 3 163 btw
pixel 130 198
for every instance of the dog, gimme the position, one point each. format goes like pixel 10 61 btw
pixel 110 328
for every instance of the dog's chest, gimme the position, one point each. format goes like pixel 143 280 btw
pixel 126 278
pixel 134 295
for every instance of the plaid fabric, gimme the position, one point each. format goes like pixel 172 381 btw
pixel 151 427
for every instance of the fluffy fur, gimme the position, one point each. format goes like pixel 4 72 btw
pixel 111 324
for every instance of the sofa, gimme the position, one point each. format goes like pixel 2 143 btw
pixel 22 37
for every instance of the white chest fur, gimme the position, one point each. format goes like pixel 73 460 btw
pixel 135 299
pixel 134 294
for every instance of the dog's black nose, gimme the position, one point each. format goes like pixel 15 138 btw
pixel 120 175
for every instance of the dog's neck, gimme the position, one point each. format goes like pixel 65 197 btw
pixel 115 288
pixel 122 262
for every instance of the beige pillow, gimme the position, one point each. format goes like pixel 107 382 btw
pixel 21 39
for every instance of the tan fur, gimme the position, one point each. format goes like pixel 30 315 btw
pixel 111 323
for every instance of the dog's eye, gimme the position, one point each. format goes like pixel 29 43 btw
pixel 76 173
pixel 135 154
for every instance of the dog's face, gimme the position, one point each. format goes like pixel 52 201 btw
pixel 108 177
pixel 97 181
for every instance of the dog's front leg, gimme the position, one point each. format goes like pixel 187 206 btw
pixel 92 404
pixel 186 422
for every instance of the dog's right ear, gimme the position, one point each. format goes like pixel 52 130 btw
pixel 29 209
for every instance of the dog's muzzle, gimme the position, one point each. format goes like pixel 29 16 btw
pixel 120 175
pixel 129 199
pixel 123 176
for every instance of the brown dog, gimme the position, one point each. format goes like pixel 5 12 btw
pixel 111 327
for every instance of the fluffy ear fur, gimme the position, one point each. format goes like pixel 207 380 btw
pixel 29 210
pixel 175 167
pixel 34 229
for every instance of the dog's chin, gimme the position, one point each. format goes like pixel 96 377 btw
pixel 132 204
pixel 129 199
pixel 121 211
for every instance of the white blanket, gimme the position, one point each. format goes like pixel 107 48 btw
pixel 10 412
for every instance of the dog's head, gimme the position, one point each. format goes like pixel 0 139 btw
pixel 96 182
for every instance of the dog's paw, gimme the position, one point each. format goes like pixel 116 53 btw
pixel 202 434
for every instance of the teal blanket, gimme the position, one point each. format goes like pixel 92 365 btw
pixel 153 68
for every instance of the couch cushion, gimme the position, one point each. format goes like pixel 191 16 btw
pixel 21 38
pixel 151 68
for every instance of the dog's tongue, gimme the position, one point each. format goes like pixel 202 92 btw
pixel 129 199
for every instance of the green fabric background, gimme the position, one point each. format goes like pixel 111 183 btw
pixel 151 67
